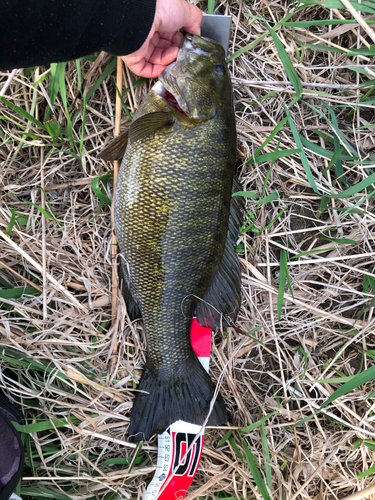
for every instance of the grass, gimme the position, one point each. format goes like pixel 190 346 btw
pixel 300 379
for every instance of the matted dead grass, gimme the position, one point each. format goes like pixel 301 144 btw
pixel 57 358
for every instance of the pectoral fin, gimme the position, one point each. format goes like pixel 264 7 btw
pixel 116 149
pixel 148 124
pixel 131 305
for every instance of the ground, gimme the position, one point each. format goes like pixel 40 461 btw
pixel 298 364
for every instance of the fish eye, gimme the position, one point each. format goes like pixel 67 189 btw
pixel 188 36
pixel 219 69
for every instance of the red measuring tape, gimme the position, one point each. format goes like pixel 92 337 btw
pixel 176 468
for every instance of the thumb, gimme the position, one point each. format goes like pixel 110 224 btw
pixel 193 19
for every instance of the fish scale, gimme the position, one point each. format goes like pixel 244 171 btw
pixel 172 210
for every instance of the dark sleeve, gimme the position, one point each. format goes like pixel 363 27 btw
pixel 37 32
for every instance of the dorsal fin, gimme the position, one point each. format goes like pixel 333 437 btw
pixel 116 149
pixel 148 124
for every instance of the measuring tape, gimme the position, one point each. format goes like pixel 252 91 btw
pixel 175 469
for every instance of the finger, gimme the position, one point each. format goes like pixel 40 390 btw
pixel 154 64
pixel 178 39
pixel 193 20
pixel 138 67
pixel 167 35
pixel 175 37
pixel 143 68
pixel 163 56
pixel 158 45
pixel 163 43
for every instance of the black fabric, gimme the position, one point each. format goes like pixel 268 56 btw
pixel 11 449
pixel 33 33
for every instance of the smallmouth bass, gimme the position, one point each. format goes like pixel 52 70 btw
pixel 176 224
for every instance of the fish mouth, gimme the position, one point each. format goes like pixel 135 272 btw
pixel 167 89
pixel 171 100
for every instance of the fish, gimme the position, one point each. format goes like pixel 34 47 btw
pixel 176 223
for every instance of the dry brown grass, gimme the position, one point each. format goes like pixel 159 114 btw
pixel 322 333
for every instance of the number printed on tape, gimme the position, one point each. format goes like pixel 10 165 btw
pixel 173 455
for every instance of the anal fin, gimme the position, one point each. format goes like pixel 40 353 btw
pixel 220 304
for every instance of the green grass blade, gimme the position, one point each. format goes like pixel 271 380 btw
pixel 358 380
pixel 84 109
pixel 340 177
pixel 356 188
pixel 44 212
pixel 254 330
pixel 260 99
pixel 266 179
pixel 253 466
pixel 33 363
pixel 271 197
pixel 253 426
pixel 259 39
pixel 350 53
pixel 317 250
pixel 298 142
pixel 267 457
pixel 15 293
pixel 275 218
pixel 324 48
pixel 124 461
pixel 287 63
pixel 275 131
pixel 323 205
pixel 346 241
pixel 338 135
pixel 54 84
pixel 335 126
pixel 123 105
pixel 211 6
pixel 369 444
pixel 53 129
pixel 23 113
pixel 369 352
pixel 102 77
pixel 336 158
pixel 8 285
pixel 322 22
pixel 12 221
pixel 247 194
pixel 79 74
pixel 336 380
pixel 367 472
pixel 45 425
pixel 280 295
pixel 29 455
pixel 234 446
pixel 98 190
pixel 303 355
pixel 41 492
pixel 65 103
pixel 225 438
pixel 325 153
pixel 366 6
pixel 275 155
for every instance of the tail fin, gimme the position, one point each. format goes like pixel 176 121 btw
pixel 183 395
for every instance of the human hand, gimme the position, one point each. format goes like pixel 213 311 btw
pixel 164 40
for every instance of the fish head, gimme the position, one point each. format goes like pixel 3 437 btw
pixel 198 81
